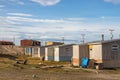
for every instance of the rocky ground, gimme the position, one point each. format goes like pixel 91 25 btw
pixel 13 68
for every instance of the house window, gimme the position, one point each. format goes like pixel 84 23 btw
pixel 67 49
pixel 115 47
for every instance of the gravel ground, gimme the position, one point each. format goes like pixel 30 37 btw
pixel 30 72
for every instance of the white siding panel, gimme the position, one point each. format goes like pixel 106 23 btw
pixel 75 58
pixel 96 52
pixel 56 54
pixel 46 53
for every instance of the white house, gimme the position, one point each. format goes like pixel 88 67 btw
pixel 59 52
pixel 35 51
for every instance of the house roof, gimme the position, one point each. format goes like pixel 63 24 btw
pixel 60 45
pixel 105 41
pixel 50 45
pixel 6 41
pixel 29 40
pixel 82 44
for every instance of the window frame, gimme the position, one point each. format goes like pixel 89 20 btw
pixel 115 47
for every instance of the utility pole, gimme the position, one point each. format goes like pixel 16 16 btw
pixel 83 39
pixel 63 39
pixel 111 33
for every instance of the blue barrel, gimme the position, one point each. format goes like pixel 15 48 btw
pixel 84 62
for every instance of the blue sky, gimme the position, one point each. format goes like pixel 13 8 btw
pixel 53 19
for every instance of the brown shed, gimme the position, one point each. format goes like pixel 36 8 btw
pixel 27 42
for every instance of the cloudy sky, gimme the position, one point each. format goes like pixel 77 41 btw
pixel 54 19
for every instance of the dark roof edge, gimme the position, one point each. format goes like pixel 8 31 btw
pixel 101 42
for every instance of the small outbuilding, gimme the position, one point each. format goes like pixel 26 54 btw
pixel 29 42
pixel 101 54
pixel 79 51
pixel 105 54
pixel 59 52
pixel 35 51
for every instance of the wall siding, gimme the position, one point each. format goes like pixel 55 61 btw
pixel 79 51
pixel 28 51
pixel 65 53
pixel 42 51
pixel 96 53
pixel 46 53
pixel 35 51
pixel 111 58
pixel 76 59
pixel 65 58
pixel 56 54
pixel 59 53
pixel 50 53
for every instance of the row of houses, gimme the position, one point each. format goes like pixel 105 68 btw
pixel 53 53
pixel 101 54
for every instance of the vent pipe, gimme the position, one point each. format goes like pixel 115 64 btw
pixel 102 37
pixel 63 40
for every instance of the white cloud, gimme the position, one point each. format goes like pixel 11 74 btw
pixel 76 19
pixel 4 21
pixel 19 14
pixel 1 6
pixel 17 1
pixel 110 17
pixel 21 3
pixel 113 1
pixel 24 19
pixel 48 28
pixel 46 2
